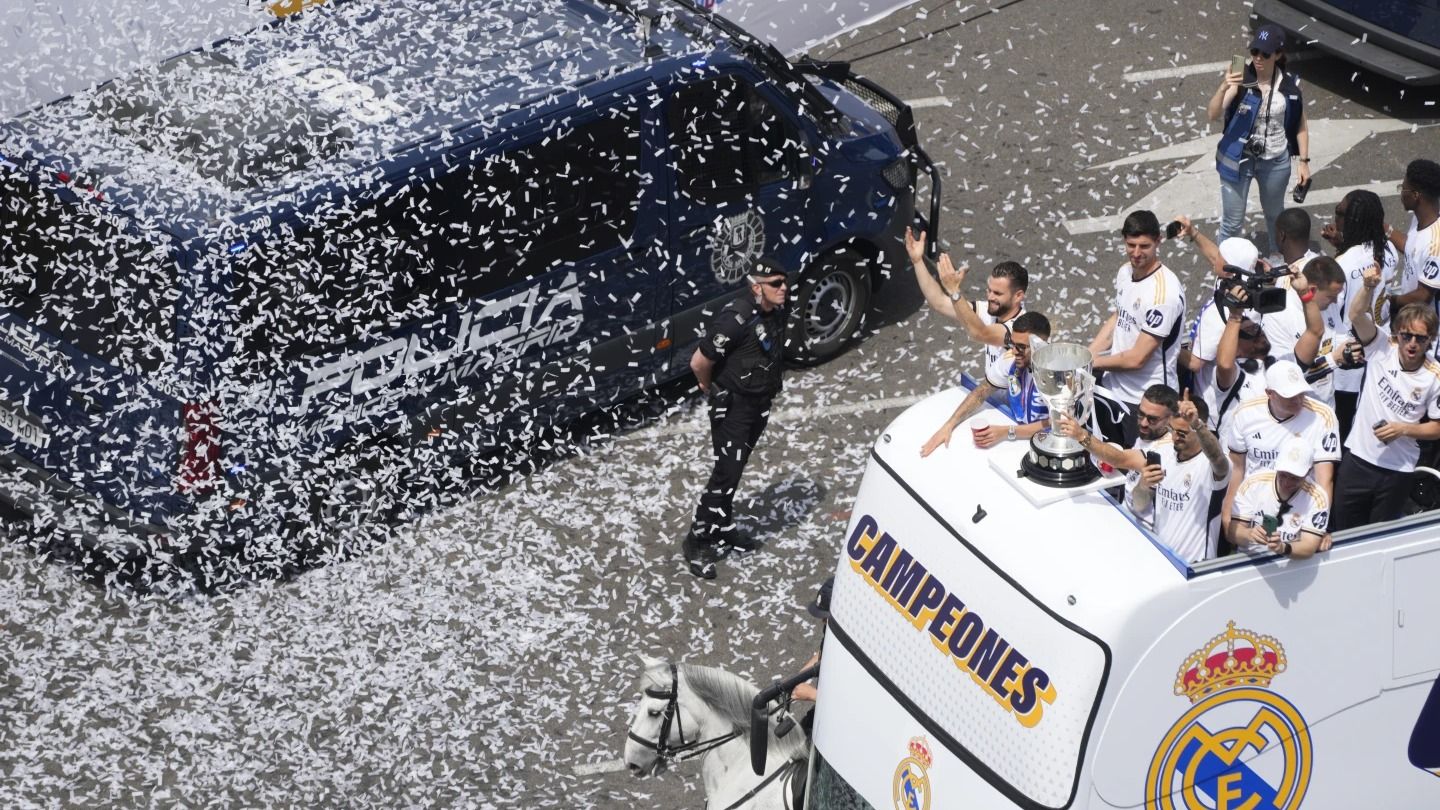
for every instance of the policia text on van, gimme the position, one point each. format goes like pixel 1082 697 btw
pixel 244 289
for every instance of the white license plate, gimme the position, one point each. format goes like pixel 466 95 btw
pixel 24 430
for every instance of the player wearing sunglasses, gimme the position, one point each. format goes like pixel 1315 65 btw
pixel 1401 388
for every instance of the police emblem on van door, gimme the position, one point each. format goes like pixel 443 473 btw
pixel 1211 757
pixel 911 787
pixel 735 244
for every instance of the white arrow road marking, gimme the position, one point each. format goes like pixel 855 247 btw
pixel 1195 191
pixel 928 101
pixel 1180 71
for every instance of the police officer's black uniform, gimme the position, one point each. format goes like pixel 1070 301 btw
pixel 747 345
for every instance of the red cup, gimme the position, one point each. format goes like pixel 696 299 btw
pixel 976 428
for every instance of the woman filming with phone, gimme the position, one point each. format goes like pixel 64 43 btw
pixel 1265 126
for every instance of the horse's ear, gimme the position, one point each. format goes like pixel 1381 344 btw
pixel 649 662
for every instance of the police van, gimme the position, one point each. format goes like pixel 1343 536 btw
pixel 264 284
pixel 996 644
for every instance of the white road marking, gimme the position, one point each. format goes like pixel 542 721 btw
pixel 700 423
pixel 928 101
pixel 608 766
pixel 1180 71
pixel 1195 190
pixel 1176 72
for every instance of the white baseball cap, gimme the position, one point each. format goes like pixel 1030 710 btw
pixel 1295 457
pixel 1286 379
pixel 1240 252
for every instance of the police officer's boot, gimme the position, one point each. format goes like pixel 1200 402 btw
pixel 701 554
pixel 740 541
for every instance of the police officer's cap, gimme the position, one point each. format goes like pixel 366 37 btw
pixel 766 267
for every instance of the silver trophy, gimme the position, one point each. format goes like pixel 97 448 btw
pixel 1061 372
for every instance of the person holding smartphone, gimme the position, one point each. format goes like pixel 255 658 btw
pixel 1399 407
pixel 1264 128
pixel 1282 510
pixel 1183 478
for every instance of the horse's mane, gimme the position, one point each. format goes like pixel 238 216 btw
pixel 730 696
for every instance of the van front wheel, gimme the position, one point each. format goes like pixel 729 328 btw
pixel 828 308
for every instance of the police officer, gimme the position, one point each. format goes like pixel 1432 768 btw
pixel 738 367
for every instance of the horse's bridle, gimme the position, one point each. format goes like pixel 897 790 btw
pixel 664 751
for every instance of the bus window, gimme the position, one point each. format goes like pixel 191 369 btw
pixel 84 276
pixel 728 140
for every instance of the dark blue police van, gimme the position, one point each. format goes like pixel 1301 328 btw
pixel 253 292
pixel 1399 39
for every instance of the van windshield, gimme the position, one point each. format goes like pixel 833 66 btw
pixel 82 275
pixel 224 122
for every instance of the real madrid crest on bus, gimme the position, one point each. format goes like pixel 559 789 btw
pixel 1212 756
pixel 911 788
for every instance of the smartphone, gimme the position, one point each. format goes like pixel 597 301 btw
pixel 1378 425
pixel 1301 189
pixel 1269 523
pixel 1152 458
pixel 1173 229
pixel 1237 64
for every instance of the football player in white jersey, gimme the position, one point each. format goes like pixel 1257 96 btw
pixel 1138 345
pixel 1185 490
pixel 1307 303
pixel 987 322
pixel 1402 388
pixel 1420 243
pixel 1256 428
pixel 1282 510
pixel 1358 234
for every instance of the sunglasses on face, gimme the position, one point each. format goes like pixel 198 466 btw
pixel 1018 348
pixel 1256 54
pixel 776 283
pixel 1145 417
pixel 1411 337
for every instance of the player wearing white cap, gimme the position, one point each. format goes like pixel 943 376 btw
pixel 1402 387
pixel 1282 510
pixel 1210 323
pixel 1258 427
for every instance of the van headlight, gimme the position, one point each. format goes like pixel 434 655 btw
pixel 901 173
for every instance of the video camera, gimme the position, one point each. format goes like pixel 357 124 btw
pixel 1258 285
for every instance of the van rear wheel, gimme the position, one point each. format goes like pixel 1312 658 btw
pixel 829 308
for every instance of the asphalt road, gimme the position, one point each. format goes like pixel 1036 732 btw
pixel 485 652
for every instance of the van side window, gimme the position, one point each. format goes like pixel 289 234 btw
pixel 728 140
pixel 85 276
pixel 564 198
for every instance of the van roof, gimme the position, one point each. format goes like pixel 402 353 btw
pixel 217 133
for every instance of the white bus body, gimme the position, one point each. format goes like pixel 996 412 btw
pixel 1054 655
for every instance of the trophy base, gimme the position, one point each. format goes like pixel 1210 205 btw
pixel 1060 467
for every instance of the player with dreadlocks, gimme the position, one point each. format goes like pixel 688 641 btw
pixel 1358 234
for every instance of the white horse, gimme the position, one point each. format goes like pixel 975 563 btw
pixel 688 710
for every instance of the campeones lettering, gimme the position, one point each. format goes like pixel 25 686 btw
pixel 992 662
